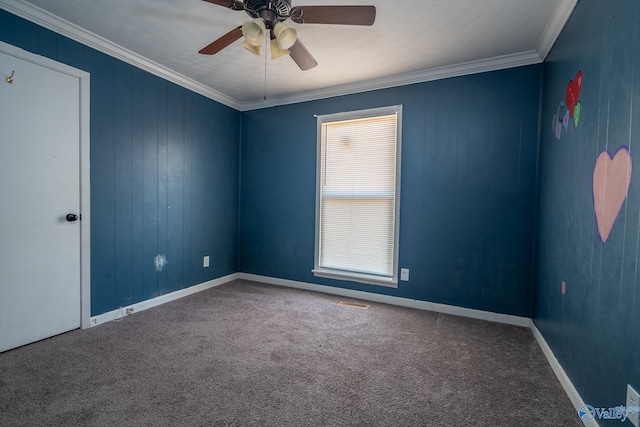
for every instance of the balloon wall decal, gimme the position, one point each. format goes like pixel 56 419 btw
pixel 570 108
pixel 573 93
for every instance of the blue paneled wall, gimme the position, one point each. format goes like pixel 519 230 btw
pixel 164 170
pixel 468 204
pixel 593 328
pixel 167 178
pixel 164 175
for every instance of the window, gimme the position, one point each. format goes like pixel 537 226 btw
pixel 357 195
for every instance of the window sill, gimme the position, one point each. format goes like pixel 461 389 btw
pixel 355 277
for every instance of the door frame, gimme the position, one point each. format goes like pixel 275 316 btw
pixel 84 150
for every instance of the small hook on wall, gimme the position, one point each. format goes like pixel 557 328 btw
pixel 10 78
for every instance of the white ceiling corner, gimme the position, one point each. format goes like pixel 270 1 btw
pixel 412 41
pixel 559 18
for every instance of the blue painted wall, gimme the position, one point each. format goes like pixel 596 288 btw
pixel 593 329
pixel 468 204
pixel 164 170
pixel 164 174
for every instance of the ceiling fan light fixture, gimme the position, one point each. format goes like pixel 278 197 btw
pixel 276 52
pixel 254 32
pixel 251 48
pixel 285 36
pixel 269 15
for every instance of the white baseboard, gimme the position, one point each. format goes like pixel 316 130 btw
pixel 162 299
pixel 566 383
pixel 386 299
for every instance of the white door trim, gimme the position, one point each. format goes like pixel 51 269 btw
pixel 85 205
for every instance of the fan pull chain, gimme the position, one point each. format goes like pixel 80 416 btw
pixel 266 47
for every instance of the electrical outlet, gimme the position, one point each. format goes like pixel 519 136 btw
pixel 205 262
pixel 404 274
pixel 633 401
pixel 129 310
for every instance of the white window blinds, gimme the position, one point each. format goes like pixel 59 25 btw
pixel 357 209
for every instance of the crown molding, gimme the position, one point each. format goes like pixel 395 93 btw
pixel 466 68
pixel 560 16
pixel 79 34
pixel 559 19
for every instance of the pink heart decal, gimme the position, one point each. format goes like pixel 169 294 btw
pixel 573 92
pixel 611 180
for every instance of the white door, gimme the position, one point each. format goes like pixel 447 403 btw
pixel 39 186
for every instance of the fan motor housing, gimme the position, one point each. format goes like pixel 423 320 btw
pixel 270 11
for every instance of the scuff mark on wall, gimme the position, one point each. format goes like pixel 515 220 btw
pixel 160 261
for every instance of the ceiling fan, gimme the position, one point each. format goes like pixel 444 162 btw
pixel 269 15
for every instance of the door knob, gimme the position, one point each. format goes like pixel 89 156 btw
pixel 72 217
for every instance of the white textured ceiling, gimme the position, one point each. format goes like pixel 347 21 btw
pixel 411 40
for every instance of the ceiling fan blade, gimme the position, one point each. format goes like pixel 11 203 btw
pixel 231 4
pixel 222 42
pixel 343 15
pixel 301 56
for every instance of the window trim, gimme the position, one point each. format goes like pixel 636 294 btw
pixel 345 274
